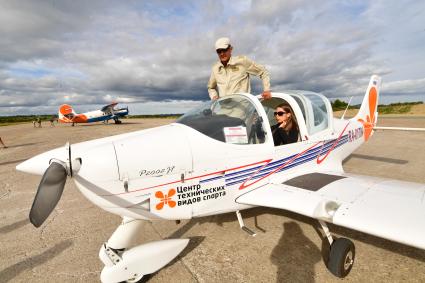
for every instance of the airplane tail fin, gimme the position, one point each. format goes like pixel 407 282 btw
pixel 368 113
pixel 66 113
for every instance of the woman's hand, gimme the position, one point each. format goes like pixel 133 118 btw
pixel 282 125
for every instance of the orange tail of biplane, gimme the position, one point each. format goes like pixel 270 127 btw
pixel 66 114
pixel 368 113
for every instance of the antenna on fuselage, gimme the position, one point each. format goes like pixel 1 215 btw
pixel 345 111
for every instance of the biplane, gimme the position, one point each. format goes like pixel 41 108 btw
pixel 67 114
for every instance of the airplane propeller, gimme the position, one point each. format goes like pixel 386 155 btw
pixel 50 189
pixel 48 194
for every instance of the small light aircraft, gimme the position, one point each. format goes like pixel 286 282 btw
pixel 223 159
pixel 108 112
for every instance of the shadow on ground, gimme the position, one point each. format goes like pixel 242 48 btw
pixel 376 158
pixel 20 145
pixel 29 263
pixel 14 226
pixel 295 255
pixel 13 161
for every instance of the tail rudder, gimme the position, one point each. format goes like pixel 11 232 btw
pixel 368 113
pixel 66 113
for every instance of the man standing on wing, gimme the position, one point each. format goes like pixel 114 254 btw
pixel 231 74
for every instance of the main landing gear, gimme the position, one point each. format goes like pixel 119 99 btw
pixel 341 254
pixel 125 262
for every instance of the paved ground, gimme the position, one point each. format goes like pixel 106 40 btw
pixel 287 248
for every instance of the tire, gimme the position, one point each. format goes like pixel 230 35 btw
pixel 341 257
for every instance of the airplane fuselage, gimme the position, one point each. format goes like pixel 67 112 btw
pixel 96 116
pixel 183 182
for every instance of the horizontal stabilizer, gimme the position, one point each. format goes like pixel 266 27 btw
pixel 400 129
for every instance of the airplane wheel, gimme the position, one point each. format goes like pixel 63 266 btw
pixel 341 257
pixel 118 122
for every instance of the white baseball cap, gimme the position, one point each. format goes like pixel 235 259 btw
pixel 222 43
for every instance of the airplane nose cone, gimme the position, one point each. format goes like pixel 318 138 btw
pixel 38 164
pixel 28 166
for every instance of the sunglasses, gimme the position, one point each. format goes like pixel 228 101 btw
pixel 280 113
pixel 222 50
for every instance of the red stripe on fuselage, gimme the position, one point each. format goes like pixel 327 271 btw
pixel 243 186
pixel 332 147
pixel 201 176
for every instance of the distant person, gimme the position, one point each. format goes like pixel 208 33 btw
pixel 39 122
pixel 2 143
pixel 232 74
pixel 52 122
pixel 286 130
pixel 34 122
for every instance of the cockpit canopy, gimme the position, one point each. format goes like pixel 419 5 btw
pixel 315 108
pixel 245 119
pixel 231 119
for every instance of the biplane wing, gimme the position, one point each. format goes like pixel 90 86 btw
pixel 385 208
pixel 108 107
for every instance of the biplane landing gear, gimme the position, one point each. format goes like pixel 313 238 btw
pixel 117 121
pixel 341 255
pixel 125 262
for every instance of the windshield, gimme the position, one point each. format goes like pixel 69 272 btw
pixel 231 120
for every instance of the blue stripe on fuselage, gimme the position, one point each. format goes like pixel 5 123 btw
pixel 241 175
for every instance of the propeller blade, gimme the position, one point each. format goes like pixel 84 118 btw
pixel 48 194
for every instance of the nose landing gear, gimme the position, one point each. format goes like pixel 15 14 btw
pixel 125 262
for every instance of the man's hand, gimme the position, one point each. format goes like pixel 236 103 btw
pixel 267 94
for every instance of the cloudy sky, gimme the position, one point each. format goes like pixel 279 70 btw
pixel 155 56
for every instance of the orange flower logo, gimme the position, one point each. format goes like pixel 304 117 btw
pixel 370 119
pixel 165 199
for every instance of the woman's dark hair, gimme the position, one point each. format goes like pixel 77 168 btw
pixel 287 108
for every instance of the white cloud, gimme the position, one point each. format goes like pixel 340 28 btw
pixel 150 52
pixel 406 86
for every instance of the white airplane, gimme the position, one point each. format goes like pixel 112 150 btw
pixel 68 115
pixel 221 158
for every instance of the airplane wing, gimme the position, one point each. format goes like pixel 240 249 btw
pixel 109 106
pixel 390 209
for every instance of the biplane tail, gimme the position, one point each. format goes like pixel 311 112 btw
pixel 368 113
pixel 66 113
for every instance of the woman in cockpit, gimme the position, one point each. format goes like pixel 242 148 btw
pixel 286 130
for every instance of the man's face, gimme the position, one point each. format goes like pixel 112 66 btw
pixel 224 54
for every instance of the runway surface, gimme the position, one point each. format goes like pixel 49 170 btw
pixel 287 247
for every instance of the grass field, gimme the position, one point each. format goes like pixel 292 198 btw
pixel 409 108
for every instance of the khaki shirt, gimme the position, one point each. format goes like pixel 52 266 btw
pixel 234 77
